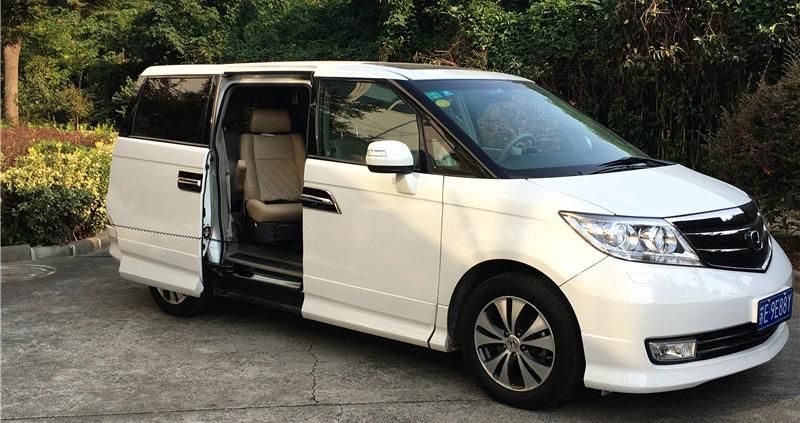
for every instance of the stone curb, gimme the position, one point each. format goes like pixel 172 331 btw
pixel 85 246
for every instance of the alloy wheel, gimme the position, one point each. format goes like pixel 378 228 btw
pixel 514 343
pixel 171 297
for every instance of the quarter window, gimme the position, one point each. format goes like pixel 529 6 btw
pixel 356 113
pixel 173 109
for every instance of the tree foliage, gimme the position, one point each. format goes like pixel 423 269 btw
pixel 757 147
pixel 657 72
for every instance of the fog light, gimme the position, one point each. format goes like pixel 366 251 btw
pixel 667 351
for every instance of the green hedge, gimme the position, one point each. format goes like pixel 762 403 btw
pixel 55 193
pixel 659 73
pixel 758 148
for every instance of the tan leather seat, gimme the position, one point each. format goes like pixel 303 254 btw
pixel 273 160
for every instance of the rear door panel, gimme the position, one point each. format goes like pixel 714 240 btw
pixel 158 218
pixel 157 182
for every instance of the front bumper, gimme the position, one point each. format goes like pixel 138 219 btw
pixel 619 304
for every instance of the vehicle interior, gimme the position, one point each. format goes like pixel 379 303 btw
pixel 265 127
pixel 265 147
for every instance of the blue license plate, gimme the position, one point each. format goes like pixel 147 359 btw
pixel 775 309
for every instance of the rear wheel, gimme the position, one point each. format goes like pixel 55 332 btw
pixel 520 339
pixel 178 304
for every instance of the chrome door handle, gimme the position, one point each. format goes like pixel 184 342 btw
pixel 315 199
pixel 194 182
pixel 190 181
pixel 319 199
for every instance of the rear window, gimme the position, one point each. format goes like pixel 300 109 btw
pixel 173 109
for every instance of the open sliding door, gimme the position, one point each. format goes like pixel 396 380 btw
pixel 157 183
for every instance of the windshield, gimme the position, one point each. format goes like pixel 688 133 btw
pixel 524 129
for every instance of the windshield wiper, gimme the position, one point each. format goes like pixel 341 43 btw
pixel 627 163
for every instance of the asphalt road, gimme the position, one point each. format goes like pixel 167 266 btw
pixel 81 344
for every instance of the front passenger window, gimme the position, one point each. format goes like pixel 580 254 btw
pixel 355 113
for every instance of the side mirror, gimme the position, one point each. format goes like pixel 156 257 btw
pixel 389 157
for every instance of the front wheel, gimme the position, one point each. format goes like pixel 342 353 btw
pixel 178 304
pixel 520 339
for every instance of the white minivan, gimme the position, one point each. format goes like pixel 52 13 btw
pixel 450 209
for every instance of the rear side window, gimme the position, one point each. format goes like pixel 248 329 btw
pixel 173 109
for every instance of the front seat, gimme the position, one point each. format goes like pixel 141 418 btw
pixel 273 174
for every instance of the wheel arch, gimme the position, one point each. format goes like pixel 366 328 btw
pixel 477 274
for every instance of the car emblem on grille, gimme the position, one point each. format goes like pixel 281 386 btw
pixel 754 237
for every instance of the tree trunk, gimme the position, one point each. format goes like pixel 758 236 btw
pixel 11 81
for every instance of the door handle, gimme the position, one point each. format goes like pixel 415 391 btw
pixel 190 181
pixel 319 199
pixel 316 200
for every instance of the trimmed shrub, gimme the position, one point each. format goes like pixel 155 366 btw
pixel 17 141
pixel 55 193
pixel 757 147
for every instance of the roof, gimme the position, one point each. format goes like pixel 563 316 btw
pixel 379 70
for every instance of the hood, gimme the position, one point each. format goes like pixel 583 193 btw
pixel 650 192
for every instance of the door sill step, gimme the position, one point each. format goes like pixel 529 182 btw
pixel 267 265
pixel 257 277
pixel 227 283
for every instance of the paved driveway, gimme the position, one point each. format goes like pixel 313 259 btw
pixel 81 344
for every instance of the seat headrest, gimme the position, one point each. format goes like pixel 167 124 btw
pixel 270 121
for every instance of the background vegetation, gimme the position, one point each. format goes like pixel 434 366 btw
pixel 666 75
pixel 55 192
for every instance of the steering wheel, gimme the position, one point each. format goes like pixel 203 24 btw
pixel 398 102
pixel 507 148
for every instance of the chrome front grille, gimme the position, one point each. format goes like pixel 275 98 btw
pixel 732 340
pixel 734 238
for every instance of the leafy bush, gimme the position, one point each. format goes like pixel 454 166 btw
pixel 46 95
pixel 17 141
pixel 656 72
pixel 757 147
pixel 121 98
pixel 55 193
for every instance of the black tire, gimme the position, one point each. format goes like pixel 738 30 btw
pixel 186 307
pixel 566 361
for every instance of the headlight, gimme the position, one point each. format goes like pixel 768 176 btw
pixel 632 238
